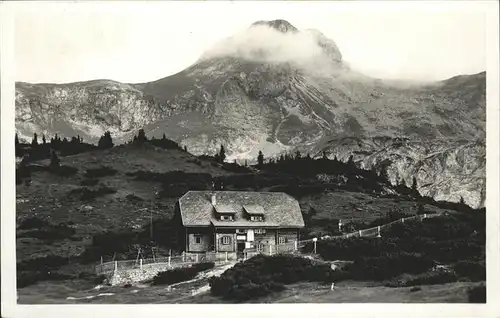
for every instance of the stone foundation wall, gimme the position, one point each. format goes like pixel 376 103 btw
pixel 137 275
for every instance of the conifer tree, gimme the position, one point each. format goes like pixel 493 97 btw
pixel 141 136
pixel 105 142
pixel 222 154
pixel 34 141
pixel 260 159
pixel 185 148
pixel 325 157
pixel 297 155
pixel 414 187
pixel 351 160
pixel 164 137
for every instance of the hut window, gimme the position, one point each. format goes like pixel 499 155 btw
pixel 197 239
pixel 226 217
pixel 226 240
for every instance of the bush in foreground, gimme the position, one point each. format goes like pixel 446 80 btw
pixel 429 278
pixel 26 278
pixel 100 172
pixel 32 223
pixel 50 232
pixel 471 270
pixel 262 275
pixel 389 266
pixel 178 275
pixel 477 294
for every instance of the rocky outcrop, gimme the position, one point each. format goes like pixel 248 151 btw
pixel 445 170
pixel 278 89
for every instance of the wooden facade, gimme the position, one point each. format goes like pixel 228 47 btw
pixel 235 230
pixel 212 239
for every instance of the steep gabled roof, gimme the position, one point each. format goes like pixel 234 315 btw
pixel 279 209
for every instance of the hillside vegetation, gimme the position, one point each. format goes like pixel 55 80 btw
pixel 73 209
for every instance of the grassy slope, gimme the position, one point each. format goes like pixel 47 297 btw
pixel 345 292
pixel 48 195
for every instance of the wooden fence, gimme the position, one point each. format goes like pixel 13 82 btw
pixel 223 257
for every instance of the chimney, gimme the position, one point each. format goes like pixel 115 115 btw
pixel 214 200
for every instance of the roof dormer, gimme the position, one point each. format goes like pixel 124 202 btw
pixel 225 212
pixel 254 212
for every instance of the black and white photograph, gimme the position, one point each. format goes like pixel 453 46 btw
pixel 239 152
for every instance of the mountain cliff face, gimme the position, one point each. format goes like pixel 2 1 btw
pixel 275 88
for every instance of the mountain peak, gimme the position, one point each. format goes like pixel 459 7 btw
pixel 279 25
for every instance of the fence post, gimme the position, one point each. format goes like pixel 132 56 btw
pixel 116 266
pixel 403 220
pixel 169 258
pixel 226 256
pixel 425 215
pixel 295 245
pixel 196 257
pixel 359 233
pixel 140 263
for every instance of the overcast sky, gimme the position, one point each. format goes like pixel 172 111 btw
pixel 139 42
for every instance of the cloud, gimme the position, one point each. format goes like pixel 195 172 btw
pixel 261 43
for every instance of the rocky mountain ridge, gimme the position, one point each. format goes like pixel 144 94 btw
pixel 278 89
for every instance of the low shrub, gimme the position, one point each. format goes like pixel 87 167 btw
pixel 32 223
pixel 477 294
pixel 51 232
pixel 388 266
pixel 89 182
pixel 26 278
pixel 100 279
pixel 133 198
pixel 64 171
pixel 85 194
pixel 123 243
pixel 471 270
pixel 178 275
pixel 200 267
pixel 432 278
pixel 262 275
pixel 195 161
pixel 46 263
pixel 102 171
